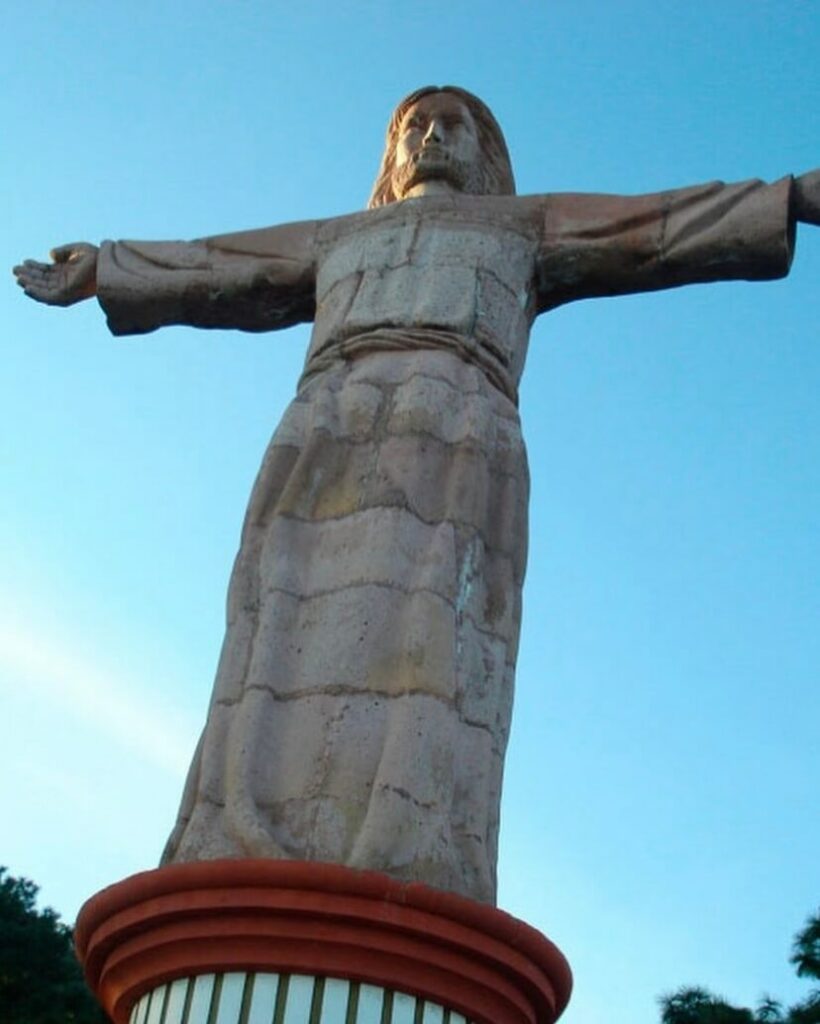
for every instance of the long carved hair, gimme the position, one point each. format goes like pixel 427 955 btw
pixel 495 175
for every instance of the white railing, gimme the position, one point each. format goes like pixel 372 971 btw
pixel 256 998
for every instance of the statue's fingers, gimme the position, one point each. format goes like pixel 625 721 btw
pixel 22 275
pixel 46 292
pixel 39 279
pixel 31 271
pixel 34 291
pixel 41 274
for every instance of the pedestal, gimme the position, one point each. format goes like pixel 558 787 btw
pixel 283 942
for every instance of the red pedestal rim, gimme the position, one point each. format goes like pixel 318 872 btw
pixel 318 919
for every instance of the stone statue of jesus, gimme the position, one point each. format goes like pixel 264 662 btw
pixel 362 701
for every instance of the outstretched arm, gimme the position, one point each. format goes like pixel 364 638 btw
pixel 597 245
pixel 251 280
pixel 70 278
pixel 806 198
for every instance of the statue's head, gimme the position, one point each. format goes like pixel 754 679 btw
pixel 444 134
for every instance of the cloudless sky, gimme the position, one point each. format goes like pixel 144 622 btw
pixel 660 816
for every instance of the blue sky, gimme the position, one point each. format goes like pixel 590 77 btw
pixel 660 812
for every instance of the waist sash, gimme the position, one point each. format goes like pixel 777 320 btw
pixel 404 339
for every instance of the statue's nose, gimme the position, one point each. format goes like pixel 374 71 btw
pixel 434 131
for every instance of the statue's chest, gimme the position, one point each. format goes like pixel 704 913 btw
pixel 424 271
pixel 472 278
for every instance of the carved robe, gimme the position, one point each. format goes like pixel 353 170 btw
pixel 362 702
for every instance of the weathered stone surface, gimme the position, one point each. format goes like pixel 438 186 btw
pixel 364 690
pixel 363 697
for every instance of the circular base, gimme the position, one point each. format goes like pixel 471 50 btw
pixel 320 920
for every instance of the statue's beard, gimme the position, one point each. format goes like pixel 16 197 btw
pixel 434 164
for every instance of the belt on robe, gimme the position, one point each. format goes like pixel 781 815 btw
pixel 406 339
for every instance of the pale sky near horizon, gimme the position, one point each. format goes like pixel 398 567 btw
pixel 660 816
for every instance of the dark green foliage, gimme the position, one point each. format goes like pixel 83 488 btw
pixel 40 979
pixel 807 1012
pixel 806 949
pixel 699 1006
pixel 769 1011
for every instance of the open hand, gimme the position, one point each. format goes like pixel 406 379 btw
pixel 71 278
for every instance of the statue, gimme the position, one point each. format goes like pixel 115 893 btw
pixel 362 700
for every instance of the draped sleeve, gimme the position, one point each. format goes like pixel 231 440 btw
pixel 254 281
pixel 597 245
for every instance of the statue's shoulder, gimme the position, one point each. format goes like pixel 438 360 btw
pixel 363 221
pixel 491 213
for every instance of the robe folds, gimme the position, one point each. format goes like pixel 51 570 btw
pixel 363 696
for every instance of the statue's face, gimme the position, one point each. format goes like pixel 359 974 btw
pixel 438 141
